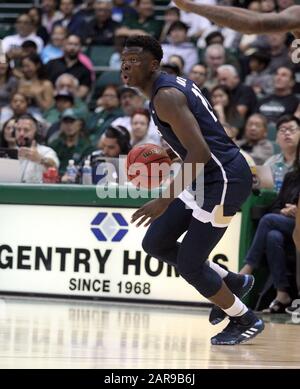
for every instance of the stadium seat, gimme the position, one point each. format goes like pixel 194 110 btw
pixel 100 55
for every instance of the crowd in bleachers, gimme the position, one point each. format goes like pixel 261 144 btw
pixel 62 97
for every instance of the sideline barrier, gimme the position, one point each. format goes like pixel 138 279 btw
pixel 64 241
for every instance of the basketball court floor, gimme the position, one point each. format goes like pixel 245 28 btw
pixel 42 333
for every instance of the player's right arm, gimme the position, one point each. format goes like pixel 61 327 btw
pixel 244 20
pixel 296 234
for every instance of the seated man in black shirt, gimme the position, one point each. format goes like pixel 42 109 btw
pixel 70 63
pixel 282 101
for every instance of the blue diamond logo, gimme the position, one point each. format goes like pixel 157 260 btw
pixel 109 227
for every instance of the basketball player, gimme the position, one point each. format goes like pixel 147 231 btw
pixel 246 21
pixel 188 124
pixel 249 22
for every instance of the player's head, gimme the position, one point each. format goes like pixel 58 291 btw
pixel 141 58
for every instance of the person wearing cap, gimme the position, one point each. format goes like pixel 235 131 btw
pixel 131 100
pixel 108 109
pixel 179 44
pixel 70 143
pixel 259 79
pixel 63 101
pixel 142 23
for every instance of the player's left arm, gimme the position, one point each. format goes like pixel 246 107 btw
pixel 172 108
pixel 296 234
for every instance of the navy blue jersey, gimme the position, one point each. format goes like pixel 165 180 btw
pixel 221 146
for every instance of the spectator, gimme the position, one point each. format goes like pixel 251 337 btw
pixel 279 51
pixel 34 84
pixel 140 121
pixel 101 29
pixel 113 145
pixel 242 95
pixel 282 102
pixel 70 63
pixel 274 235
pixel 214 38
pixel 131 100
pixel 171 15
pixel 259 79
pixel 19 105
pixel 70 143
pixel 34 157
pixel 108 109
pixel 177 60
pixel 121 10
pixel 142 23
pixel 86 10
pixel 114 142
pixel 225 109
pixel 63 100
pixel 7 135
pixel 170 68
pixel 214 57
pixel 8 83
pixel 179 44
pixel 54 49
pixel 11 44
pixel 198 74
pixel 254 141
pixel 288 135
pixel 69 83
pixel 49 14
pixel 197 24
pixel 73 22
pixel 36 17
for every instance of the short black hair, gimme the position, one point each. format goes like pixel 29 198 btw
pixel 287 118
pixel 147 43
pixel 122 135
pixel 178 25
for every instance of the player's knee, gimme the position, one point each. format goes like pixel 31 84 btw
pixel 151 246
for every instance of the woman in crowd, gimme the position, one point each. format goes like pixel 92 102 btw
pixel 7 137
pixel 225 110
pixel 272 236
pixel 34 83
pixel 8 83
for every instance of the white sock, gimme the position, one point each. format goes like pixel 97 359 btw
pixel 222 272
pixel 237 309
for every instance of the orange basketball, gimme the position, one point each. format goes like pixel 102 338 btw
pixel 147 166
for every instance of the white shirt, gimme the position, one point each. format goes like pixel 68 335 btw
pixel 153 135
pixel 195 22
pixel 186 50
pixel 32 172
pixel 13 41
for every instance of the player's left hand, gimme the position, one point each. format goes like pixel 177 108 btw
pixel 151 211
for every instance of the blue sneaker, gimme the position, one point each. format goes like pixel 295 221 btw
pixel 240 329
pixel 240 285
